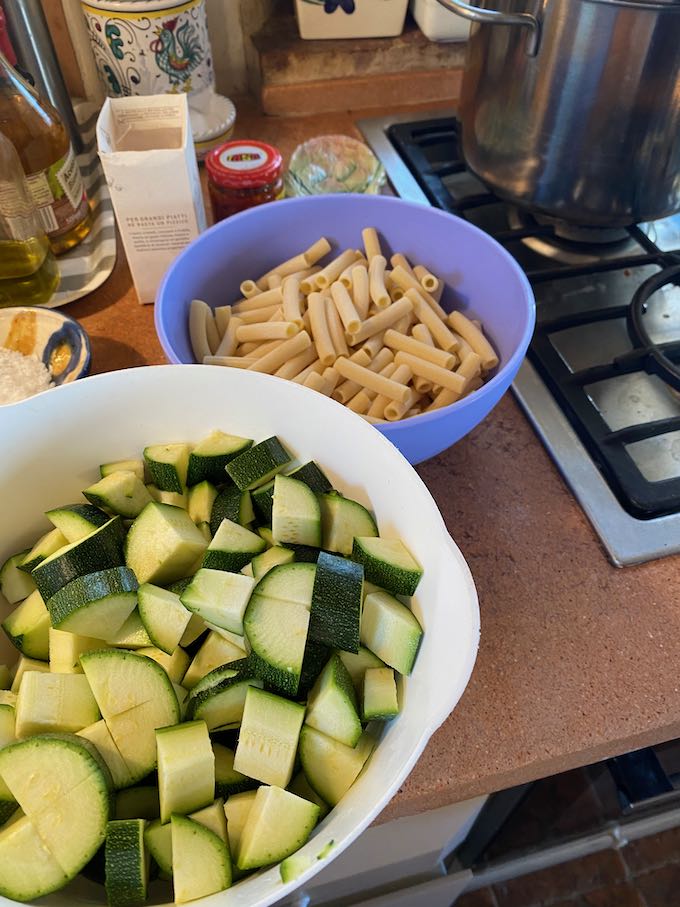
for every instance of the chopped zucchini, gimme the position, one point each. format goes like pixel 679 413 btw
pixel 132 635
pixel 379 700
pixel 186 768
pixel 277 630
pixel 332 704
pixel 28 627
pixel 221 705
pixel 101 550
pixel 219 597
pixel 75 521
pixel 231 504
pixel 132 465
pixel 357 664
pixel 278 824
pixel 164 616
pixel 46 545
pixel 200 501
pixel 342 519
pixel 388 563
pixel 163 544
pixel 173 498
pixel 232 547
pixel 28 870
pixel 236 809
pixel 95 604
pixel 22 667
pixel 99 735
pixel 127 864
pixel 214 652
pixel 332 767
pixel 258 464
pixel 227 780
pixel 301 786
pixel 201 864
pixel 123 493
pixel 270 558
pixel 336 602
pixel 296 515
pixel 391 631
pixel 263 500
pixel 213 817
pixel 175 665
pixel 54 702
pixel 167 465
pixel 268 739
pixel 290 582
pixel 66 648
pixel 210 456
pixel 15 584
pixel 312 475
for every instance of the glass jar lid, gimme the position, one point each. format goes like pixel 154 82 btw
pixel 244 164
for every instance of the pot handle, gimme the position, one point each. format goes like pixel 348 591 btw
pixel 493 17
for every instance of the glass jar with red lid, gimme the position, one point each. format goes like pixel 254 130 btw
pixel 243 174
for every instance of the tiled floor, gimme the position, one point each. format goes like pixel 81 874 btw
pixel 645 873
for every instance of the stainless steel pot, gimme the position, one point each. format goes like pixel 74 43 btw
pixel 572 107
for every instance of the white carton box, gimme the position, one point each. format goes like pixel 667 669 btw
pixel 146 149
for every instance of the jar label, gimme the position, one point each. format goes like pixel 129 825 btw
pixel 243 157
pixel 16 213
pixel 59 195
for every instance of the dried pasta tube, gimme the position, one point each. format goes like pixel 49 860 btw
pixel 470 367
pixel 365 398
pixel 464 349
pixel 285 351
pixel 475 338
pixel 369 380
pixel 345 307
pixel 315 366
pixel 400 373
pixel 374 344
pixel 308 283
pixel 445 397
pixel 474 385
pixel 400 261
pixel 229 343
pixel 398 341
pixel 292 300
pixel 336 329
pixel 320 330
pixel 229 361
pixel 427 280
pixel 432 372
pixel 257 316
pixel 316 251
pixel 222 315
pixel 331 377
pixel 360 290
pixel 376 281
pixel 256 350
pixel 371 241
pixel 422 385
pixel 249 288
pixel 409 282
pixel 334 269
pixel 348 389
pixel 395 291
pixel 198 329
pixel 274 281
pixel 270 330
pixel 294 366
pixel 395 411
pixel 403 325
pixel 421 332
pixel 440 332
pixel 346 277
pixel 317 383
pixel 383 320
pixel 261 301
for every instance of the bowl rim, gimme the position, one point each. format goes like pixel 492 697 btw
pixel 55 315
pixel 511 365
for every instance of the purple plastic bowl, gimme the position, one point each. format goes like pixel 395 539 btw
pixel 482 280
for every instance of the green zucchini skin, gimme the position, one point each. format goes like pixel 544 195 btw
pixel 258 464
pixel 336 602
pixel 126 867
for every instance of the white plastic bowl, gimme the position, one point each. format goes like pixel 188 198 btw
pixel 53 443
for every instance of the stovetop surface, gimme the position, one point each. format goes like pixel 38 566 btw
pixel 584 363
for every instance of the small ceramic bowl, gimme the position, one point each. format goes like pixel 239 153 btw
pixel 60 343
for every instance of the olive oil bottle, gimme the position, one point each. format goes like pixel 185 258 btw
pixel 29 273
pixel 35 129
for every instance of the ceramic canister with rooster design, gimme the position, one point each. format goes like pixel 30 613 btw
pixel 146 47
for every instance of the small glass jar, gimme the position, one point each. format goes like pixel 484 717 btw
pixel 241 175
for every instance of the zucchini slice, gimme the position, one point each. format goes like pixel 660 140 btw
pixel 227 780
pixel 127 865
pixel 54 702
pixel 312 475
pixel 391 631
pixel 332 767
pixel 210 456
pixel 232 547
pixel 277 631
pixel 99 734
pixel 15 584
pixel 186 768
pixel 220 597
pixel 214 652
pixel 28 870
pixel 132 634
pixel 122 492
pixel 163 544
pixel 258 464
pixel 164 616
pixel 167 465
pixel 341 520
pixel 268 739
pixel 301 786
pixel 175 665
pixel 66 648
pixel 231 504
pixel 102 549
pixel 278 824
pixel 75 521
pixel 201 864
pixel 96 604
pixel 296 515
pixel 46 545
pixel 357 664
pixel 290 582
pixel 270 558
pixel 132 465
pixel 379 700
pixel 388 563
pixel 336 602
pixel 28 627
pixel 236 809
pixel 200 501
pixel 332 704
pixel 221 705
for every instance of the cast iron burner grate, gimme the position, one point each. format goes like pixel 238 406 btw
pixel 606 365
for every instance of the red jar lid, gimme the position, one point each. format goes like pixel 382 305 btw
pixel 244 164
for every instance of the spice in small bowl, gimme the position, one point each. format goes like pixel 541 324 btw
pixel 39 348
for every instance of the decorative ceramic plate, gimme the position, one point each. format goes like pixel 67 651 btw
pixel 56 339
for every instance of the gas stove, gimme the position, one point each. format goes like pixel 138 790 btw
pixel 600 382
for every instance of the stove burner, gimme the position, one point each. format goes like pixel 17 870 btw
pixel 570 244
pixel 657 360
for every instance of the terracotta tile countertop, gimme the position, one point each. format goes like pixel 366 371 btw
pixel 578 660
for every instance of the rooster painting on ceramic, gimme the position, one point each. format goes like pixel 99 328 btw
pixel 145 47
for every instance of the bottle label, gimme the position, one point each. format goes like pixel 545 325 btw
pixel 16 214
pixel 59 195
